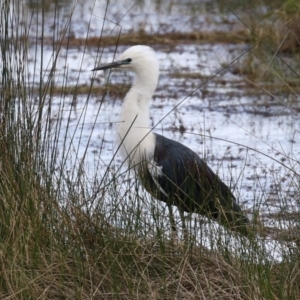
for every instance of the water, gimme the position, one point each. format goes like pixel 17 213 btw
pixel 130 16
pixel 251 143
pixel 226 127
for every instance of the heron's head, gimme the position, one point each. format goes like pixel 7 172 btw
pixel 139 59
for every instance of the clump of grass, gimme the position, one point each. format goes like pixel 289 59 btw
pixel 69 234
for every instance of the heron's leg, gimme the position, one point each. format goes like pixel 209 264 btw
pixel 172 220
pixel 184 229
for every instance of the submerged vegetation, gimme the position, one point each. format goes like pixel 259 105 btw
pixel 71 232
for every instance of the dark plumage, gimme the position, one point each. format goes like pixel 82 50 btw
pixel 191 185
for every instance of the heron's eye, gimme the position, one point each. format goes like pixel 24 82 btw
pixel 128 60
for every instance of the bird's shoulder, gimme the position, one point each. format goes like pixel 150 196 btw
pixel 168 149
pixel 173 156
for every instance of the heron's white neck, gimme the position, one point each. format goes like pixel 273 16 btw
pixel 133 131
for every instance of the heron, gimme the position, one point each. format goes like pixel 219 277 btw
pixel 168 170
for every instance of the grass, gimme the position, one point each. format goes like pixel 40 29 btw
pixel 167 39
pixel 68 232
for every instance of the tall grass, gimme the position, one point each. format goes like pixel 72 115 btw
pixel 68 232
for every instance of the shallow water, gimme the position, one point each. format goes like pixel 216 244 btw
pixel 96 16
pixel 251 143
pixel 244 142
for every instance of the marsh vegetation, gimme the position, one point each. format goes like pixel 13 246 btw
pixel 74 222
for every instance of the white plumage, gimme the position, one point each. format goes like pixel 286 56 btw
pixel 133 132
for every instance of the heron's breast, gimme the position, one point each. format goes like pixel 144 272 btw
pixel 135 143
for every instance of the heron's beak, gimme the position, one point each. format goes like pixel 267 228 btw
pixel 115 64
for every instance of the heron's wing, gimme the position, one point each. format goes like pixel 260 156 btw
pixel 192 184
pixel 183 175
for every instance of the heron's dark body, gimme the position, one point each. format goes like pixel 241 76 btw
pixel 188 183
